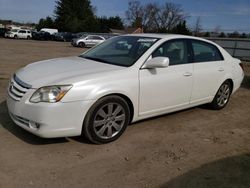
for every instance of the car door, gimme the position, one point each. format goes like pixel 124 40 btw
pixel 89 41
pixel 20 34
pixel 166 89
pixel 97 40
pixel 208 70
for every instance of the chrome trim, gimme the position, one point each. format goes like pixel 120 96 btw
pixel 21 83
pixel 17 88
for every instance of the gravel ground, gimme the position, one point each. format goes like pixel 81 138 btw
pixel 193 148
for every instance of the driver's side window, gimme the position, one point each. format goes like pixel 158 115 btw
pixel 175 50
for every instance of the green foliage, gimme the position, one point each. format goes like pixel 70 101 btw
pixel 181 28
pixel 48 22
pixel 106 24
pixel 222 35
pixel 207 34
pixel 234 35
pixel 75 16
pixel 243 35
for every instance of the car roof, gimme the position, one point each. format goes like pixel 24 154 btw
pixel 170 36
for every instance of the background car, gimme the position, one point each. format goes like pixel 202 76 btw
pixel 3 31
pixel 64 36
pixel 49 30
pixel 19 34
pixel 42 35
pixel 89 41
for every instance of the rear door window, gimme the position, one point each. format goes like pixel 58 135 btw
pixel 205 52
pixel 97 38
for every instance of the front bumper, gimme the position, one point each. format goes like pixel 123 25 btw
pixel 48 120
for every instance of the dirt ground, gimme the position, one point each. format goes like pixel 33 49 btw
pixel 193 148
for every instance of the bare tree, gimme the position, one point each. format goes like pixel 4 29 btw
pixel 197 27
pixel 150 19
pixel 135 13
pixel 154 17
pixel 170 15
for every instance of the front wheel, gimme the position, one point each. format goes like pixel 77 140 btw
pixel 222 96
pixel 82 44
pixel 106 120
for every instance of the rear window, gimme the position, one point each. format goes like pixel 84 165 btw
pixel 205 52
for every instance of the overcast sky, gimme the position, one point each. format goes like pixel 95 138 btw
pixel 228 14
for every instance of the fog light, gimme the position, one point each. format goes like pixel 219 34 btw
pixel 34 125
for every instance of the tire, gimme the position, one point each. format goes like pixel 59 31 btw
pixel 82 44
pixel 15 37
pixel 28 37
pixel 106 120
pixel 222 96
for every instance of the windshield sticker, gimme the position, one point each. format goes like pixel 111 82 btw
pixel 146 40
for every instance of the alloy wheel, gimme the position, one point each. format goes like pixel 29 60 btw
pixel 223 95
pixel 109 120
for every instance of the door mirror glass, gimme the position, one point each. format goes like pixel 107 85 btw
pixel 157 62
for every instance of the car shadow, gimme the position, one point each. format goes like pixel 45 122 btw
pixel 9 125
pixel 231 172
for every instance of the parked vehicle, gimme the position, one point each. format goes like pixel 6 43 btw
pixel 18 34
pixel 64 36
pixel 50 31
pixel 2 32
pixel 123 80
pixel 42 35
pixel 88 41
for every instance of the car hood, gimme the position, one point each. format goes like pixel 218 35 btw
pixel 58 71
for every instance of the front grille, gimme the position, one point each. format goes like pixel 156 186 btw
pixel 17 88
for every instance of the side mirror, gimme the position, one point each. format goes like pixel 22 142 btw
pixel 157 62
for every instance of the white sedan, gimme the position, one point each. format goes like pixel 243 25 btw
pixel 87 41
pixel 123 80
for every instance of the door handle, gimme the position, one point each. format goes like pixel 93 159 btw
pixel 187 74
pixel 221 69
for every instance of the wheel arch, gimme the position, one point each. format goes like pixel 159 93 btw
pixel 231 83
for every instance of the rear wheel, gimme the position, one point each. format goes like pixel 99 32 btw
pixel 15 37
pixel 82 44
pixel 28 37
pixel 106 120
pixel 222 96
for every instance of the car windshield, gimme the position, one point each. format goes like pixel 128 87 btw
pixel 121 51
pixel 14 30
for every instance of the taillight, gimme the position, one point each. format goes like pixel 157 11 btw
pixel 242 66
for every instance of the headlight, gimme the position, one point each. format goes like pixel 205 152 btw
pixel 50 94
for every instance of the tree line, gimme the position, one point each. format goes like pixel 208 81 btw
pixel 78 16
pixel 167 17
